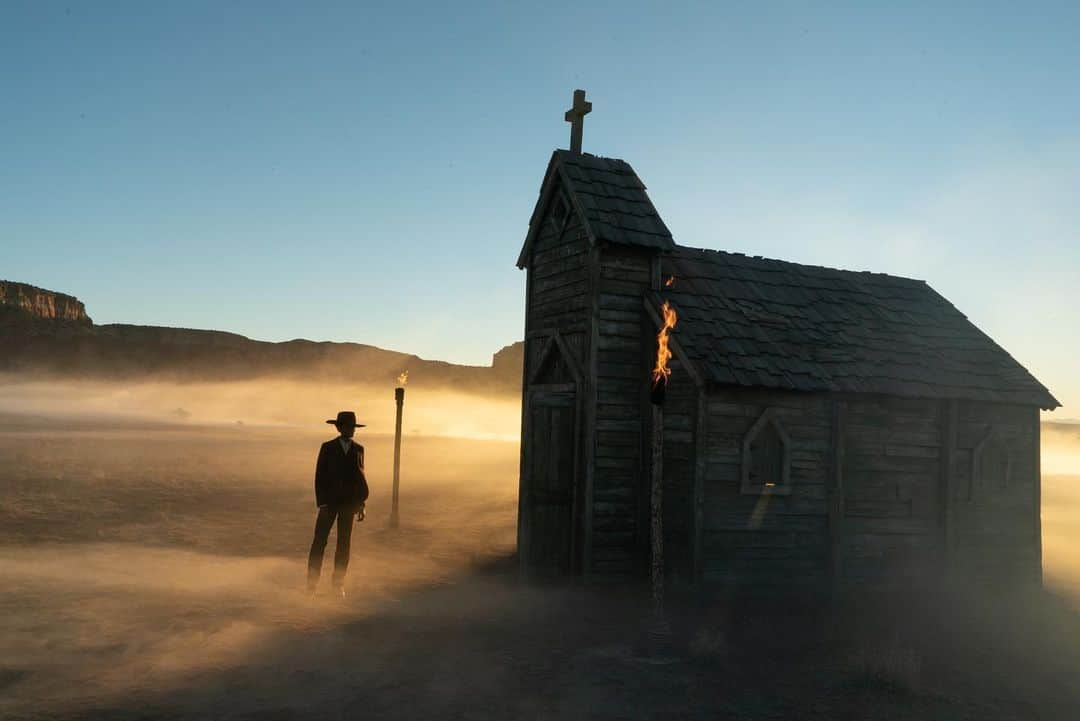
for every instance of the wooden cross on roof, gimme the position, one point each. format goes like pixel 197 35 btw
pixel 576 117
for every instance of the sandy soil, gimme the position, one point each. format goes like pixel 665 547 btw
pixel 157 572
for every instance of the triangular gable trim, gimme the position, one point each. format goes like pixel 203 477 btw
pixel 555 342
pixel 552 179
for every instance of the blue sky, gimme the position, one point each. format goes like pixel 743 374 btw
pixel 365 172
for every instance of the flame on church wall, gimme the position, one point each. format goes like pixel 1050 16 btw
pixel 663 353
pixel 669 282
pixel 403 378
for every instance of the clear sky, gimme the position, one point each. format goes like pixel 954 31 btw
pixel 365 172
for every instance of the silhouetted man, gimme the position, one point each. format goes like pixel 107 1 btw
pixel 340 491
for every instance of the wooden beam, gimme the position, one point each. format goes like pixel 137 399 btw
pixel 949 425
pixel 836 494
pixel 656 509
pixel 575 203
pixel 590 402
pixel 1038 497
pixel 700 463
pixel 571 360
pixel 576 481
pixel 526 426
pixel 642 497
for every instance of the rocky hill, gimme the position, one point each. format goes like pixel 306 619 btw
pixel 21 302
pixel 44 334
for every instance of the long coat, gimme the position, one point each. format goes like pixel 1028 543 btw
pixel 339 475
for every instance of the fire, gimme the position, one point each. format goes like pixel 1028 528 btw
pixel 669 282
pixel 663 354
pixel 403 378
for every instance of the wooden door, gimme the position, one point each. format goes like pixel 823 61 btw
pixel 551 465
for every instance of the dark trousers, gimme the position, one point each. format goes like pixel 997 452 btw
pixel 325 519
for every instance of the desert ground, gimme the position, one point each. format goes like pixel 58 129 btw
pixel 152 567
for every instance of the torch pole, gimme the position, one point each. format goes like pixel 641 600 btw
pixel 656 507
pixel 399 398
pixel 660 632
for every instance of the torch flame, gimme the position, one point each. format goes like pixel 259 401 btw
pixel 669 282
pixel 663 354
pixel 403 378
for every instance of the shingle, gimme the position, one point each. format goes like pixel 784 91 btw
pixel 613 200
pixel 760 322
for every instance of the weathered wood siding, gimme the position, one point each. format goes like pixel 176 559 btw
pixel 559 301
pixel 761 541
pixel 892 475
pixel 620 534
pixel 995 533
pixel 877 469
pixel 559 287
pixel 680 456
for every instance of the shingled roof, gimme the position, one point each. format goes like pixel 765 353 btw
pixel 609 198
pixel 753 321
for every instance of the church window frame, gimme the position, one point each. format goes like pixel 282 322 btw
pixel 559 213
pixel 779 458
pixel 983 477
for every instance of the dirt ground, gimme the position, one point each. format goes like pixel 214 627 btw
pixel 157 572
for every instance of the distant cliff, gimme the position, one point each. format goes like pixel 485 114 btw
pixel 23 302
pixel 43 333
pixel 510 360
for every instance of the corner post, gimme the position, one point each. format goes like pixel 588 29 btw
pixel 950 411
pixel 1037 500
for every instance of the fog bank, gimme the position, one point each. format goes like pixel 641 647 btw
pixel 279 402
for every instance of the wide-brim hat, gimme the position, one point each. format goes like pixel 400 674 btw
pixel 345 418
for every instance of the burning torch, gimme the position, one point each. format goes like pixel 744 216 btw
pixel 660 373
pixel 399 398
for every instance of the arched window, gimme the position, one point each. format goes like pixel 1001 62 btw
pixel 766 457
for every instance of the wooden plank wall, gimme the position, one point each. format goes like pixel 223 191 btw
pixel 559 289
pixel 680 437
pixel 765 541
pixel 619 536
pixel 892 471
pixel 889 523
pixel 995 530
pixel 559 292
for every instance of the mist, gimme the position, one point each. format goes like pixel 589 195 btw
pixel 143 548
pixel 1061 507
pixel 153 559
pixel 266 402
